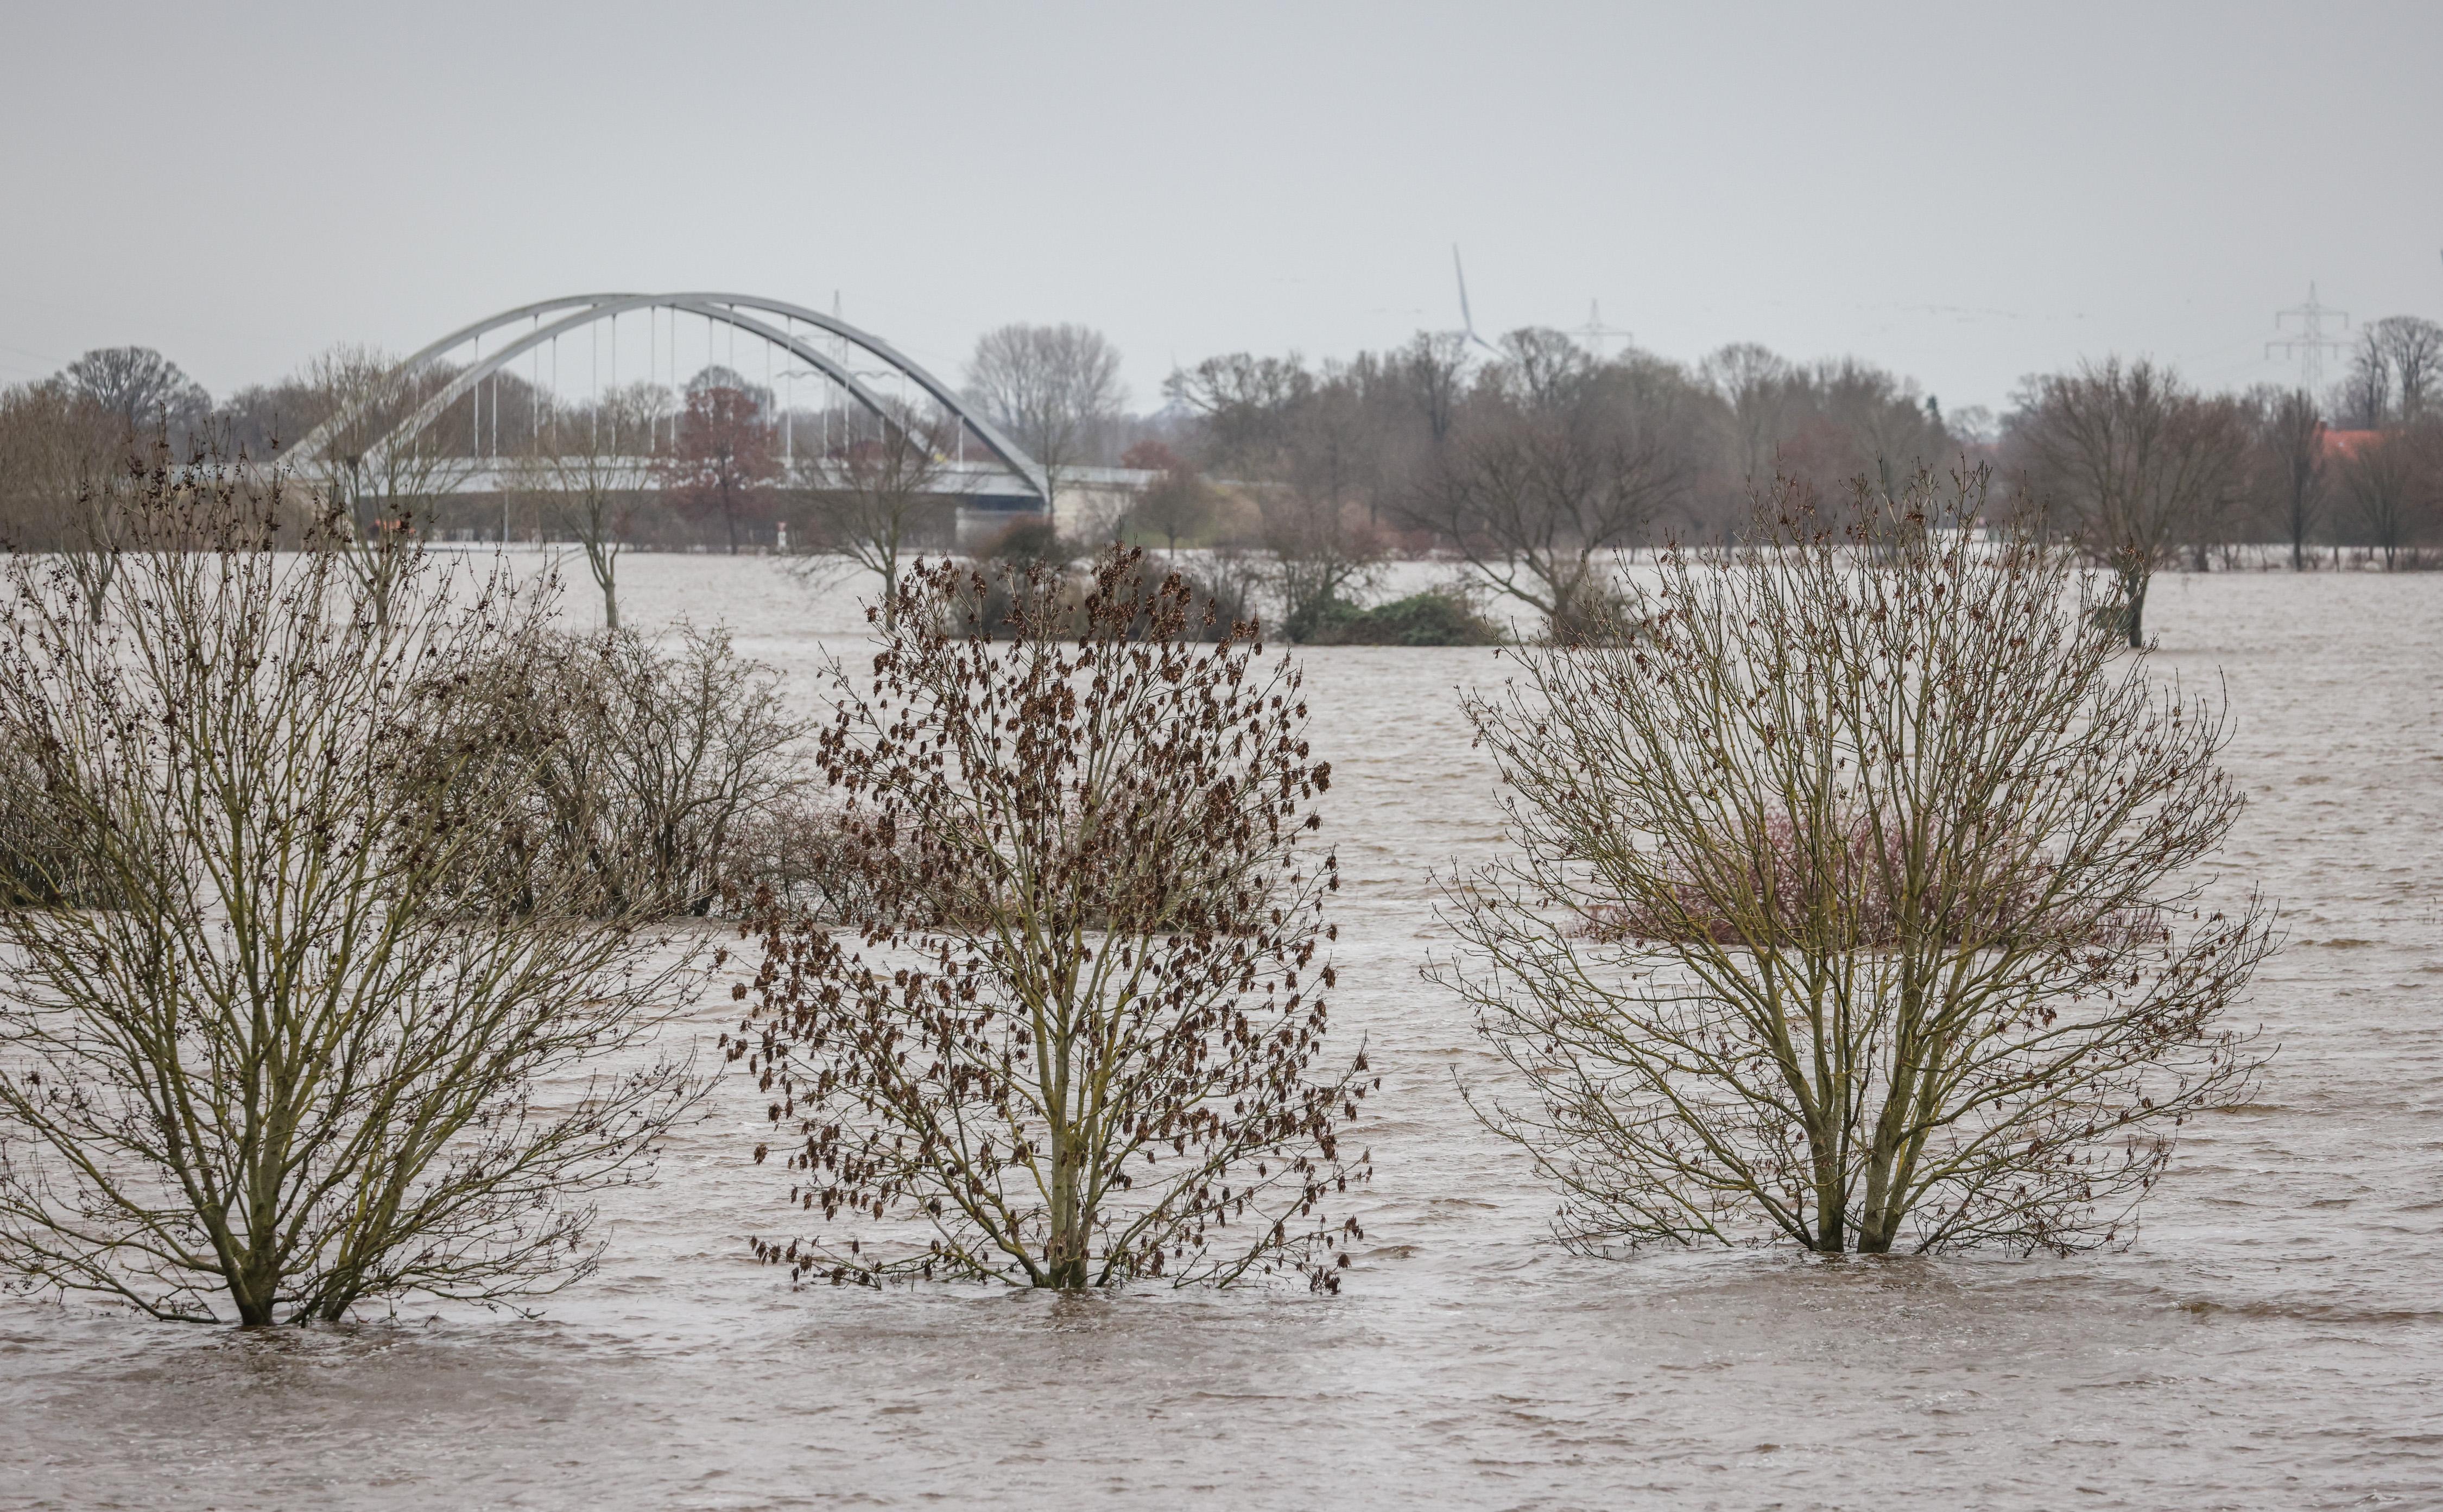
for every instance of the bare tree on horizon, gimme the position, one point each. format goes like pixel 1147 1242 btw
pixel 1054 389
pixel 2290 434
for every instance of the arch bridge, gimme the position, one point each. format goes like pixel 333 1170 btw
pixel 773 321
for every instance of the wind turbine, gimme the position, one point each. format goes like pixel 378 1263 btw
pixel 1467 321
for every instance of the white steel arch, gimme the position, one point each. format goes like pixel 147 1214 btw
pixel 586 309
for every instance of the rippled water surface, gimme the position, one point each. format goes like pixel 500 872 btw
pixel 2274 1338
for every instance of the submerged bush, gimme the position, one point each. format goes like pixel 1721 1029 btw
pixel 1005 598
pixel 629 776
pixel 1028 543
pixel 1439 617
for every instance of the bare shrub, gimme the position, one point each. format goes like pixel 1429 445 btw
pixel 1071 1045
pixel 1856 901
pixel 285 1072
pixel 637 773
pixel 1009 598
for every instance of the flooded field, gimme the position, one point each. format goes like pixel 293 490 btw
pixel 2273 1338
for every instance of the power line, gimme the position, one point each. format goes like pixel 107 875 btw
pixel 1593 333
pixel 2310 342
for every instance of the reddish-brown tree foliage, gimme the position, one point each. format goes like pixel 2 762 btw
pixel 722 462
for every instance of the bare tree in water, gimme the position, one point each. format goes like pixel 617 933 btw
pixel 1177 503
pixel 376 476
pixel 2290 444
pixel 1856 903
pixel 2394 484
pixel 264 1060
pixel 2136 460
pixel 721 460
pixel 875 499
pixel 581 467
pixel 1072 1043
pixel 1553 460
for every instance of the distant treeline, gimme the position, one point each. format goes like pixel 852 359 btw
pixel 1528 460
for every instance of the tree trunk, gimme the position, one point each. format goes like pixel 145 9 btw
pixel 1831 1200
pixel 1882 1208
pixel 597 558
pixel 1065 1255
pixel 2133 589
pixel 1876 1224
pixel 252 1290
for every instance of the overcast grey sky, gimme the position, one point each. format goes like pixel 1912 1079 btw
pixel 1963 192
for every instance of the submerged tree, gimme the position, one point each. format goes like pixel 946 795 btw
pixel 264 1057
pixel 2135 462
pixel 621 777
pixel 1856 902
pixel 2290 440
pixel 379 471
pixel 1073 1043
pixel 1177 503
pixel 581 467
pixel 876 500
pixel 2390 481
pixel 1554 461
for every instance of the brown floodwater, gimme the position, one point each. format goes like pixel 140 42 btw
pixel 2274 1338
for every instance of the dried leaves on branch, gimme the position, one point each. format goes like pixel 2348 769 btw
pixel 1858 899
pixel 1077 1038
pixel 287 1067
